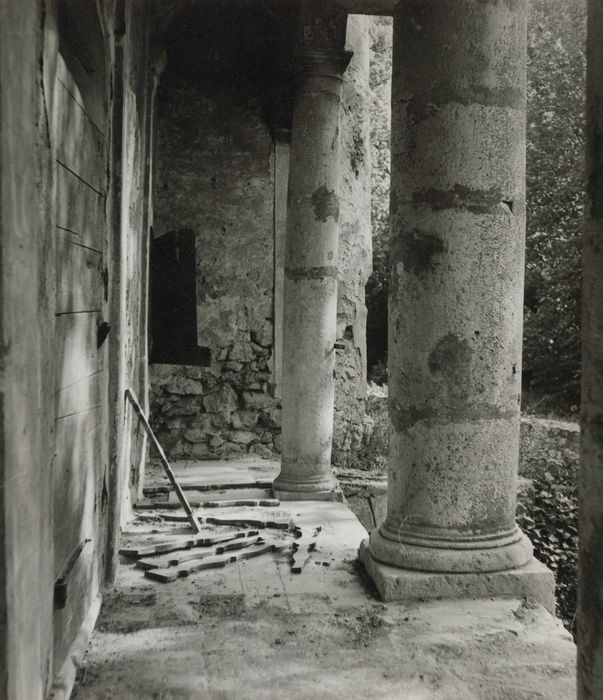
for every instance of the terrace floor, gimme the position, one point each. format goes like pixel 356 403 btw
pixel 256 630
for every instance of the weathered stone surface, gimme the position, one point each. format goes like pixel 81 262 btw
pixel 196 450
pixel 243 437
pixel 259 350
pixel 257 400
pixel 225 400
pixel 241 352
pixel 245 419
pixel 365 493
pixel 183 386
pixel 262 451
pixel 361 507
pixel 182 407
pixel 198 373
pixel 271 418
pixel 176 424
pixel 263 334
pixel 196 435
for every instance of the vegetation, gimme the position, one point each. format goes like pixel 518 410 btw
pixel 376 289
pixel 555 192
pixel 551 524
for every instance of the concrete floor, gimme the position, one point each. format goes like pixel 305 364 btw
pixel 255 630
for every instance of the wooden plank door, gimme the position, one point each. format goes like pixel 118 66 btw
pixel 80 422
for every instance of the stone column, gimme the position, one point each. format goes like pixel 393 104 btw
pixel 311 251
pixel 456 295
pixel 590 555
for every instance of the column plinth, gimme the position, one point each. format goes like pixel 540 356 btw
pixel 310 285
pixel 457 218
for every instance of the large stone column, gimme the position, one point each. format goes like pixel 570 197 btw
pixel 456 297
pixel 311 252
pixel 590 556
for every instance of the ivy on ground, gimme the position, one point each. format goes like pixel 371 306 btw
pixel 551 523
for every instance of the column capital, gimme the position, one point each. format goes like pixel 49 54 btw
pixel 327 62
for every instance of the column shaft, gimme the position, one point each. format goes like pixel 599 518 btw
pixel 590 556
pixel 310 287
pixel 456 286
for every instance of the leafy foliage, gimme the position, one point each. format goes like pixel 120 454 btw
pixel 555 191
pixel 376 289
pixel 551 523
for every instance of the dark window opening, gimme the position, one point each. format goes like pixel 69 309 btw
pixel 173 310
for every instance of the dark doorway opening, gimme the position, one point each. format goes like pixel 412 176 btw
pixel 174 301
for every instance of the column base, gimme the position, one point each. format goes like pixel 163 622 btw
pixel 533 580
pixel 425 551
pixel 323 490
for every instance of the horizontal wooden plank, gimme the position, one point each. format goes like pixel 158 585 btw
pixel 251 502
pixel 173 573
pixel 176 558
pixel 240 519
pixel 193 485
pixel 77 354
pixel 79 276
pixel 80 210
pixel 179 543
